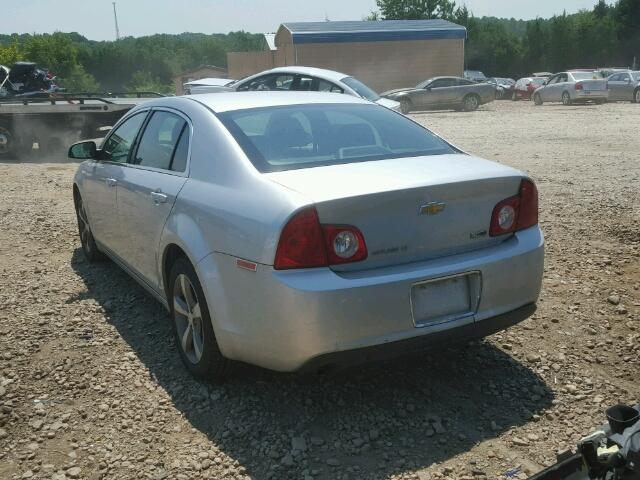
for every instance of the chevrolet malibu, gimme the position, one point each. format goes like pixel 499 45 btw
pixel 300 231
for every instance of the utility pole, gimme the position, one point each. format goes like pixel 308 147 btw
pixel 115 17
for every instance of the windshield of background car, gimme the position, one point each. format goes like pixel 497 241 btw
pixel 586 75
pixel 361 89
pixel 303 136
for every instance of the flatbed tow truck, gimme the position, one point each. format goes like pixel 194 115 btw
pixel 53 121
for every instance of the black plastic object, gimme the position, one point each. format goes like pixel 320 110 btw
pixel 622 417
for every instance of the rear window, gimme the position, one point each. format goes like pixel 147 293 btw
pixel 586 75
pixel 360 88
pixel 302 136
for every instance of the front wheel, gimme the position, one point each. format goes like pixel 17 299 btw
pixel 193 330
pixel 566 99
pixel 88 243
pixel 537 99
pixel 636 96
pixel 470 103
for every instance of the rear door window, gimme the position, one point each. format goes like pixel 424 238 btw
pixel 159 140
pixel 326 86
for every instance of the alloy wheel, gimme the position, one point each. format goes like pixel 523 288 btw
pixel 471 103
pixel 188 318
pixel 566 99
pixel 637 96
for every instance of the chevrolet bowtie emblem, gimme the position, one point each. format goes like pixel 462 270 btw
pixel 432 208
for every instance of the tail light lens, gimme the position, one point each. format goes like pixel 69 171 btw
pixel 579 86
pixel 304 243
pixel 517 212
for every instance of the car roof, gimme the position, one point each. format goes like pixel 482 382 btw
pixel 316 72
pixel 224 102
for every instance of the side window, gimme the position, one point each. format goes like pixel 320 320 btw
pixel 179 161
pixel 159 140
pixel 616 78
pixel 437 83
pixel 553 80
pixel 283 82
pixel 625 77
pixel 325 86
pixel 118 145
pixel 563 78
pixel 260 83
pixel 305 83
pixel 461 82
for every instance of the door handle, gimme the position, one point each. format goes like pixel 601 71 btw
pixel 111 182
pixel 158 197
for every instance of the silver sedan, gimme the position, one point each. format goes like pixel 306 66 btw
pixel 307 230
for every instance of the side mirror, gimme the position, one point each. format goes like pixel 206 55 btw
pixel 84 150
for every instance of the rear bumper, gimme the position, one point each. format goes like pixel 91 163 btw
pixel 283 320
pixel 420 344
pixel 581 96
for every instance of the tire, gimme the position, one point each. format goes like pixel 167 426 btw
pixel 514 97
pixel 193 331
pixel 636 96
pixel 537 99
pixel 405 105
pixel 470 103
pixel 91 252
pixel 566 99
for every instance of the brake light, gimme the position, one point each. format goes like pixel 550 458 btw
pixel 579 86
pixel 517 212
pixel 304 243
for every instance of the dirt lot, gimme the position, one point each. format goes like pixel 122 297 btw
pixel 91 385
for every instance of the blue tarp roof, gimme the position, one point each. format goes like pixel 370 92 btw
pixel 365 31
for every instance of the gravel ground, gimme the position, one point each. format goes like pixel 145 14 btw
pixel 91 385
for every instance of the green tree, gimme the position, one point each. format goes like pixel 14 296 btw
pixel 416 9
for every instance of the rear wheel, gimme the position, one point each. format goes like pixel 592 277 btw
pixel 566 99
pixel 636 96
pixel 405 105
pixel 470 103
pixel 193 330
pixel 537 99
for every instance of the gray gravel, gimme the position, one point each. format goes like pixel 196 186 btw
pixel 91 386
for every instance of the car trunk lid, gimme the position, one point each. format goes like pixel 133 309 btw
pixel 408 209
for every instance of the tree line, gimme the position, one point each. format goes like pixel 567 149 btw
pixel 143 63
pixel 605 36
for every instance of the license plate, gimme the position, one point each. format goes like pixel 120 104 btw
pixel 445 299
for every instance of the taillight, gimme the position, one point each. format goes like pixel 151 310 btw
pixel 517 212
pixel 304 243
pixel 579 86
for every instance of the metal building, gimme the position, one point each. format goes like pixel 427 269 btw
pixel 386 54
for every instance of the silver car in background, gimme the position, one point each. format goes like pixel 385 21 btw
pixel 207 85
pixel 441 93
pixel 624 87
pixel 573 87
pixel 307 230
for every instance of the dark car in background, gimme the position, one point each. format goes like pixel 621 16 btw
pixel 474 75
pixel 504 86
pixel 441 93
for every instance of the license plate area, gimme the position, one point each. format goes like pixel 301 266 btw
pixel 445 299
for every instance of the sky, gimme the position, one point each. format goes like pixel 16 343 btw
pixel 94 18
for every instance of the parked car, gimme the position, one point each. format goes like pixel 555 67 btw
pixel 307 230
pixel 624 87
pixel 310 79
pixel 573 87
pixel 207 85
pixel 504 86
pixel 524 87
pixel 474 75
pixel 440 93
